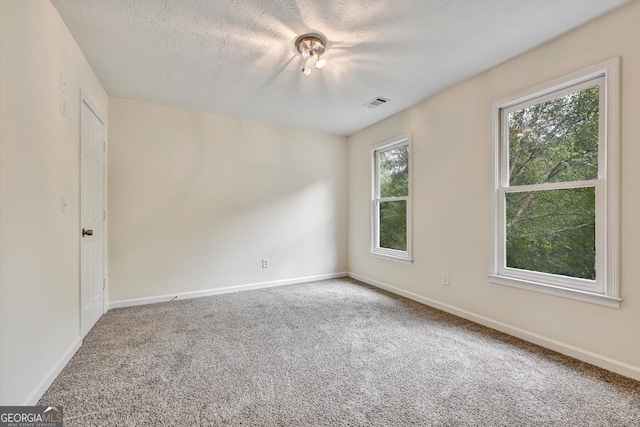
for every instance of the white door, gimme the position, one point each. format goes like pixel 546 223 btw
pixel 92 216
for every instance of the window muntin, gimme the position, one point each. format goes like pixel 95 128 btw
pixel 391 204
pixel 556 187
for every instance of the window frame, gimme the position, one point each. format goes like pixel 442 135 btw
pixel 604 290
pixel 375 249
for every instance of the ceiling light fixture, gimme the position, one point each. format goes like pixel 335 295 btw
pixel 310 45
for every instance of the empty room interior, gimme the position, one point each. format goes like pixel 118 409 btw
pixel 301 212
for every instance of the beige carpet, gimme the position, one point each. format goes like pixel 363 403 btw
pixel 330 353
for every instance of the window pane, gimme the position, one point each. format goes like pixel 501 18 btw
pixel 394 172
pixel 552 231
pixel 393 225
pixel 556 140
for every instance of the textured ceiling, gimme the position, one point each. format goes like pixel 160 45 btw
pixel 236 57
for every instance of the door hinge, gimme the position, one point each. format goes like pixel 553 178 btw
pixel 104 215
pixel 104 284
pixel 104 145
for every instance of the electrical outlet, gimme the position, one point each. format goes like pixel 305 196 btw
pixel 265 263
pixel 445 279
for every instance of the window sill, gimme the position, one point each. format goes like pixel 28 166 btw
pixel 401 260
pixel 573 294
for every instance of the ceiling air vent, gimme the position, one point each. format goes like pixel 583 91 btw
pixel 375 102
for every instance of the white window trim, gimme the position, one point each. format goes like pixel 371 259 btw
pixel 375 250
pixel 607 192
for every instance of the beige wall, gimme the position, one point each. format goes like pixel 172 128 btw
pixel 39 162
pixel 451 188
pixel 196 200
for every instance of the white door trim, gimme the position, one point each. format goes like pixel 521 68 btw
pixel 84 99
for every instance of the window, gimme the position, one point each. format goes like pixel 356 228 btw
pixel 391 201
pixel 556 187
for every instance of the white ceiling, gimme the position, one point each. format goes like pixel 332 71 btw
pixel 236 57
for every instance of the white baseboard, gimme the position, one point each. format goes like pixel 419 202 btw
pixel 605 362
pixel 45 383
pixel 225 290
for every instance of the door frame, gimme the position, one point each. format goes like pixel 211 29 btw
pixel 84 99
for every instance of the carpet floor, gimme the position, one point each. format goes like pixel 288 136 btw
pixel 329 353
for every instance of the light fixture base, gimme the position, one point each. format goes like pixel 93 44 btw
pixel 311 44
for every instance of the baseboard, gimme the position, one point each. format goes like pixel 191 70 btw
pixel 225 290
pixel 599 360
pixel 45 383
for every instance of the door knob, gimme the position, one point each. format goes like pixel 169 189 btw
pixel 87 232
